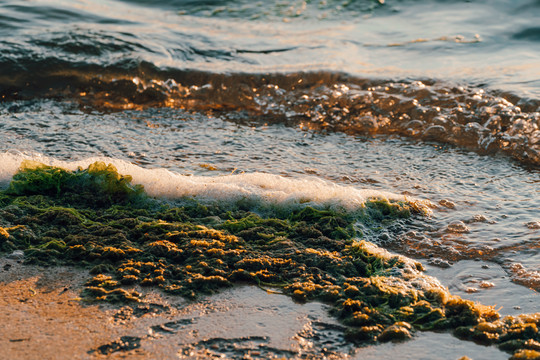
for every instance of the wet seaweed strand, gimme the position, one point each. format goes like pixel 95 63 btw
pixel 96 218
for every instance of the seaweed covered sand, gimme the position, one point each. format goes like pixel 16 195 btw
pixel 96 219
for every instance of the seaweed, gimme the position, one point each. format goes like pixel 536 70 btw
pixel 99 185
pixel 97 219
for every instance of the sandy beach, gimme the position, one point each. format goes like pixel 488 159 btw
pixel 44 318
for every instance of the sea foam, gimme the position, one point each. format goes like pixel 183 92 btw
pixel 257 187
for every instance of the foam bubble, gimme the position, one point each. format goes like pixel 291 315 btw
pixel 257 187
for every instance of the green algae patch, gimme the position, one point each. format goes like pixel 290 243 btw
pixel 99 185
pixel 97 219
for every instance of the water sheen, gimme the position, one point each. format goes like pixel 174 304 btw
pixel 485 43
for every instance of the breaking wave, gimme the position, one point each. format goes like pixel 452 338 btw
pixel 470 117
pixel 256 188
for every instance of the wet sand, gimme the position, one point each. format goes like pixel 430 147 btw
pixel 44 318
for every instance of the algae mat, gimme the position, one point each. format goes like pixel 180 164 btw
pixel 97 220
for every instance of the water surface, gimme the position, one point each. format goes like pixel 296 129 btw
pixel 432 100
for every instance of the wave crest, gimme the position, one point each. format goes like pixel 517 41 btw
pixel 470 117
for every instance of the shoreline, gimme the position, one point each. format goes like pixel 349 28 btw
pixel 44 318
pixel 133 246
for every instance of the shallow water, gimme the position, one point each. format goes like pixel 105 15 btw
pixel 487 206
pixel 431 100
pixel 481 43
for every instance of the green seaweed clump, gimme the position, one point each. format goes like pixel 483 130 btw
pixel 96 219
pixel 99 185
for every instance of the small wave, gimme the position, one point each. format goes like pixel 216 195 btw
pixel 84 42
pixel 258 189
pixel 273 9
pixel 470 117
pixel 531 34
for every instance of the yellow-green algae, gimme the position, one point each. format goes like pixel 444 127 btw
pixel 95 218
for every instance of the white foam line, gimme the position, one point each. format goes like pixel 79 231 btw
pixel 253 186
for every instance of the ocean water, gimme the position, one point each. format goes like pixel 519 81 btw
pixel 328 102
